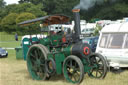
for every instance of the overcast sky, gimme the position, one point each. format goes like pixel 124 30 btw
pixel 11 1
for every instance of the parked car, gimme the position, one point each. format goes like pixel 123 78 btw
pixel 92 41
pixel 3 53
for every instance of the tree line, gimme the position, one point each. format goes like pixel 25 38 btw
pixel 11 15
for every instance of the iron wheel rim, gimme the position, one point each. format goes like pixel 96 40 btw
pixel 36 63
pixel 99 67
pixel 73 69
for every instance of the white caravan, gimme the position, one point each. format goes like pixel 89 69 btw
pixel 113 44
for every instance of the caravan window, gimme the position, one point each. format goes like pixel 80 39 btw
pixel 86 29
pixel 116 40
pixel 91 29
pixel 126 42
pixel 103 41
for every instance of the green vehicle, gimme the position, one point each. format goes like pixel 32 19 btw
pixel 63 53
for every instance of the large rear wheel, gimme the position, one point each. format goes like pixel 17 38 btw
pixel 73 69
pixel 36 57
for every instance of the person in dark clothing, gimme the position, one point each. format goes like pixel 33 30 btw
pixel 16 37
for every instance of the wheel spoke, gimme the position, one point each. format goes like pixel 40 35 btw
pixel 70 63
pixel 33 62
pixel 68 66
pixel 75 64
pixel 74 78
pixel 40 73
pixel 100 65
pixel 42 56
pixel 92 71
pixel 39 54
pixel 99 60
pixel 96 73
pixel 100 72
pixel 42 64
pixel 77 69
pixel 32 55
pixel 36 54
pixel 69 75
pixel 34 68
pixel 93 59
pixel 101 69
pixel 78 73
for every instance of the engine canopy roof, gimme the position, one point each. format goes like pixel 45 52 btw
pixel 47 20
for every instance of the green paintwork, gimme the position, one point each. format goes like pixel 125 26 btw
pixel 45 41
pixel 59 58
pixel 25 45
pixel 56 40
pixel 19 52
pixel 86 65
pixel 50 55
pixel 67 50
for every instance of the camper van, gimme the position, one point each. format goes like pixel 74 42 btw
pixel 113 44
pixel 89 29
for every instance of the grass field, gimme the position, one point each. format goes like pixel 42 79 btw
pixel 14 72
pixel 12 44
pixel 8 37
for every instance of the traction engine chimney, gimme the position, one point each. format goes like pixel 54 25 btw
pixel 77 28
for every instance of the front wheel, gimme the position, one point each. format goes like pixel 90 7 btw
pixel 99 66
pixel 73 69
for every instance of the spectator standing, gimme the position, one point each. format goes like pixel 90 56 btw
pixel 16 37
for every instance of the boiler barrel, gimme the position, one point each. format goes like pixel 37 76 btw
pixel 79 49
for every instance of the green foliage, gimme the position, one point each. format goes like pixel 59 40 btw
pixel 8 23
pixel 113 12
pixel 59 6
pixel 2 4
pixel 25 16
pixel 36 2
pixel 26 7
pixel 97 30
pixel 35 10
pixel 121 8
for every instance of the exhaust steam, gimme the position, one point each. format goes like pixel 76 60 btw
pixel 86 4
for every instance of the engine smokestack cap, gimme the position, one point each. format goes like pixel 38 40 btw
pixel 76 10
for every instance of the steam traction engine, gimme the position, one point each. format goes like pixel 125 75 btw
pixel 63 53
